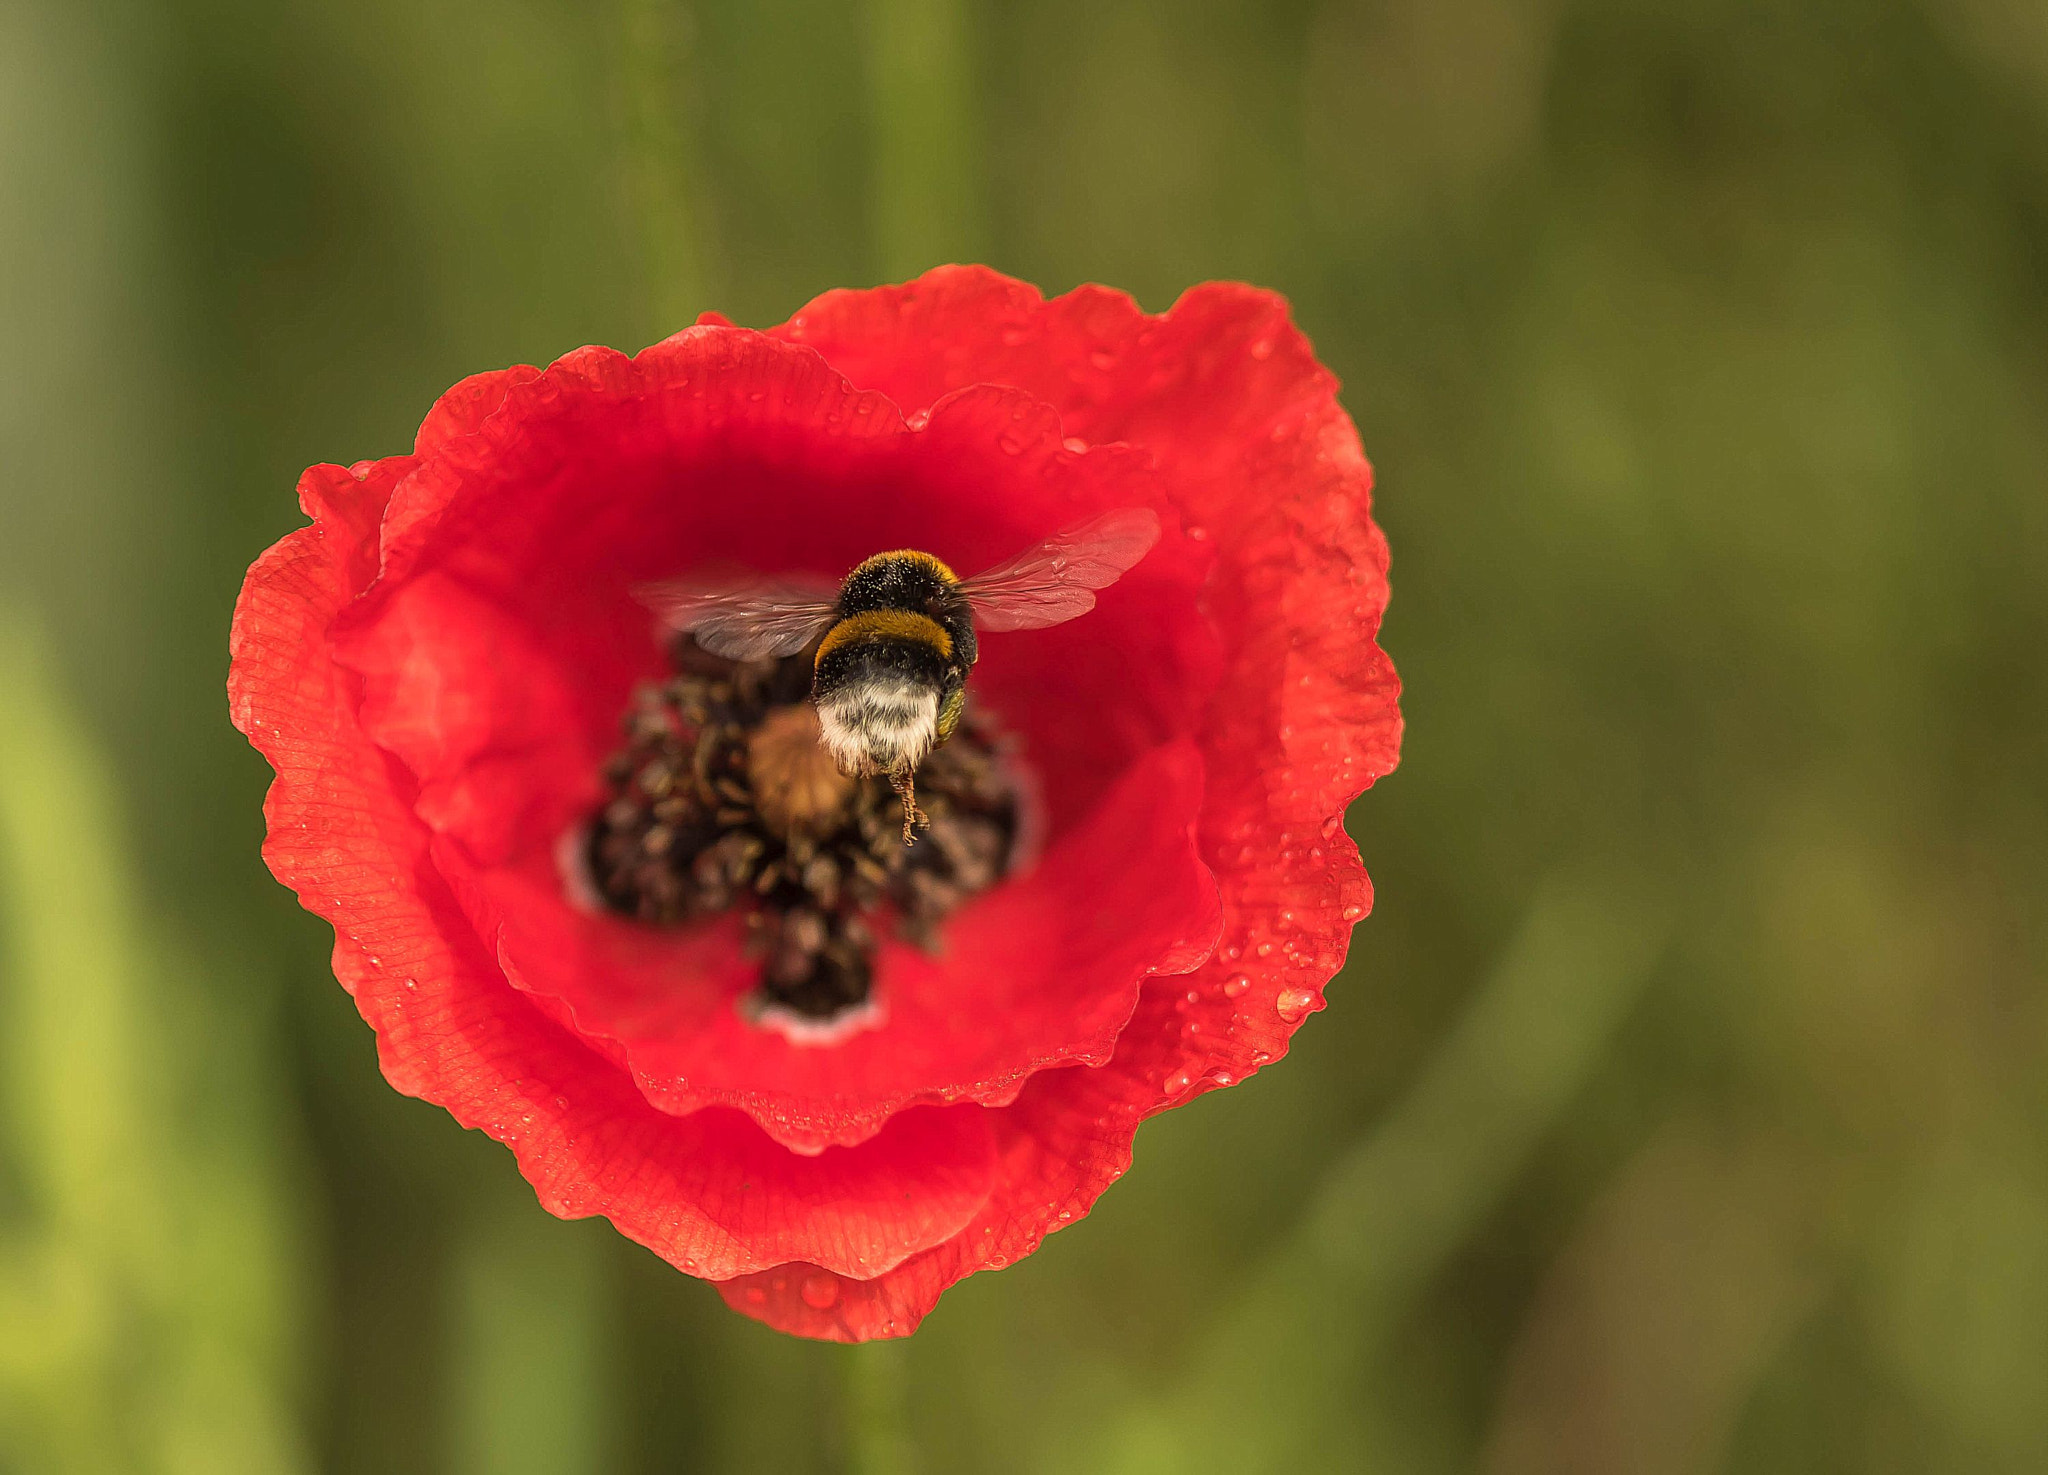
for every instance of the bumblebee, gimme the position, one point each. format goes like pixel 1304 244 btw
pixel 895 643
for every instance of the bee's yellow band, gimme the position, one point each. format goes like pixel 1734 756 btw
pixel 888 624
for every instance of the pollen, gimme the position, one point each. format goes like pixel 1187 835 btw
pixel 723 799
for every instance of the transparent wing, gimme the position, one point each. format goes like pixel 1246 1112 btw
pixel 744 619
pixel 1057 580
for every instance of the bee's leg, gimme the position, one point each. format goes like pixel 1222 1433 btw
pixel 904 782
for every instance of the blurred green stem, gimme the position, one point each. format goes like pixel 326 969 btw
pixel 878 1409
pixel 665 207
pixel 531 1382
pixel 926 199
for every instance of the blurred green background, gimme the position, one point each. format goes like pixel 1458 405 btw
pixel 1682 1108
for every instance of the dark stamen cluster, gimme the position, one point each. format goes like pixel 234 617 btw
pixel 723 799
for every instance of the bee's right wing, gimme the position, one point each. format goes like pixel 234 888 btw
pixel 742 619
pixel 1057 580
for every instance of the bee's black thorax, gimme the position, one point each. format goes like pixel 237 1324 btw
pixel 912 583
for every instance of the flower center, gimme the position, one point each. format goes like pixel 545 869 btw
pixel 723 798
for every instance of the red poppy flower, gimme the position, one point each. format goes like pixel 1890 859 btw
pixel 438 666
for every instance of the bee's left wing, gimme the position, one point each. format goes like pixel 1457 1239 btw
pixel 742 619
pixel 1057 580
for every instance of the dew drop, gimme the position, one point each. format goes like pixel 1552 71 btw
pixel 820 1291
pixel 1223 1078
pixel 1075 444
pixel 918 419
pixel 1235 985
pixel 1264 949
pixel 1293 1003
pixel 1353 912
pixel 1176 1084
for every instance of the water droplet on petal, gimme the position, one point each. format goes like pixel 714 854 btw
pixel 1353 913
pixel 820 1291
pixel 1075 444
pixel 1293 1003
pixel 1235 985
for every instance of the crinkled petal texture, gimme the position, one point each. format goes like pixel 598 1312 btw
pixel 436 666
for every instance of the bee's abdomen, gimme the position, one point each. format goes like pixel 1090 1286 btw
pixel 879 687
